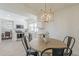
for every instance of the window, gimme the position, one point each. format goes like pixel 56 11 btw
pixel 33 27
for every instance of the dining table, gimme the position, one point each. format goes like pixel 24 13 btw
pixel 40 44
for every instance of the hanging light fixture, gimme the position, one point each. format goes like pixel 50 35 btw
pixel 46 14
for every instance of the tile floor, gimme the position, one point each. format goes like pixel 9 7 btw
pixel 11 48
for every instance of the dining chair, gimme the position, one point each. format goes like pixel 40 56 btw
pixel 70 41
pixel 56 52
pixel 28 49
pixel 29 37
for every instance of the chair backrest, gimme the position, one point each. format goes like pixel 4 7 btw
pixel 58 51
pixel 25 43
pixel 54 51
pixel 29 37
pixel 70 41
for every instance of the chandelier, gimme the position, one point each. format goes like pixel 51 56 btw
pixel 46 14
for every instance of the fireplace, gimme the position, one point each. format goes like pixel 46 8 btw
pixel 19 34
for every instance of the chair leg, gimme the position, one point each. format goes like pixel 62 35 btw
pixel 27 53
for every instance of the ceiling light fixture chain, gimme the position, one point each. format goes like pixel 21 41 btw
pixel 45 17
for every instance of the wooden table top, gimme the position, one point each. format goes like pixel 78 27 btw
pixel 40 44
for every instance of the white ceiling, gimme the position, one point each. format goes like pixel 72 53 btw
pixel 33 8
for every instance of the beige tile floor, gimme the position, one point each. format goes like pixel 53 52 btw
pixel 11 48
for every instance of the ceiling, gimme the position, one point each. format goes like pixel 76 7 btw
pixel 33 8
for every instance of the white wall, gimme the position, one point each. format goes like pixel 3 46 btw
pixel 66 22
pixel 18 19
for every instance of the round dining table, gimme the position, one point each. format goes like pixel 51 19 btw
pixel 41 44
